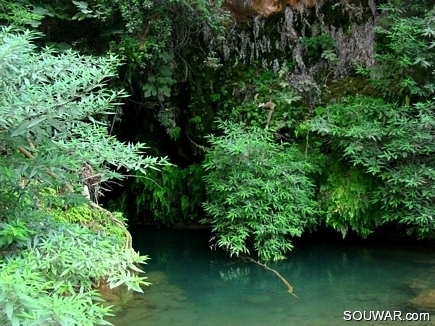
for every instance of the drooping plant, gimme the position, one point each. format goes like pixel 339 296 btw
pixel 346 197
pixel 259 193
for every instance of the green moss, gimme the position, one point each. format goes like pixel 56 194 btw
pixel 349 86
pixel 92 218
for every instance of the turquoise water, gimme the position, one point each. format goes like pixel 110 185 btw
pixel 193 285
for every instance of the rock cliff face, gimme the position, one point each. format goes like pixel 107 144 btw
pixel 242 10
pixel 341 31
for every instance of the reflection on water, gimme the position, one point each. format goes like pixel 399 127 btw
pixel 193 285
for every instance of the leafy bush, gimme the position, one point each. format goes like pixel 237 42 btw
pixel 258 192
pixel 53 121
pixel 405 51
pixel 19 13
pixel 51 282
pixel 395 145
pixel 389 144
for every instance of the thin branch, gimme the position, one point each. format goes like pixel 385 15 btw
pixel 290 288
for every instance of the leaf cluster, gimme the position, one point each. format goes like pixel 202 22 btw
pixel 405 55
pixel 239 94
pixel 52 280
pixel 320 46
pixel 258 192
pixel 395 145
pixel 54 110
pixel 346 198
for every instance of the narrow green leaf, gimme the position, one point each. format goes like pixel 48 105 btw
pixel 9 309
pixel 20 130
pixel 36 121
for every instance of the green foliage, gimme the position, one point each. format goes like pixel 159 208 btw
pixel 52 280
pixel 258 192
pixel 75 85
pixel 346 198
pixel 240 93
pixel 156 36
pixel 19 13
pixel 168 119
pixel 394 144
pixel 405 52
pixel 170 195
pixel 390 145
pixel 320 46
pixel 90 218
pixel 161 42
pixel 15 232
pixel 53 120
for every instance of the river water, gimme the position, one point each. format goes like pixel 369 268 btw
pixel 193 285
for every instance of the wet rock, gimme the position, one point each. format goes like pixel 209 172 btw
pixel 157 278
pixel 243 10
pixel 117 297
pixel 159 298
pixel 425 301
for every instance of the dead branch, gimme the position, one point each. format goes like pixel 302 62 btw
pixel 290 288
pixel 271 106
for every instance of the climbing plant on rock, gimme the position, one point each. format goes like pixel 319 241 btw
pixel 405 54
pixel 395 145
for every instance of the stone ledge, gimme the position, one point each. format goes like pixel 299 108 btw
pixel 243 10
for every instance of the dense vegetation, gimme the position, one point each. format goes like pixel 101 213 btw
pixel 56 249
pixel 320 118
pixel 258 190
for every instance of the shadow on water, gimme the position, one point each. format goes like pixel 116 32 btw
pixel 193 285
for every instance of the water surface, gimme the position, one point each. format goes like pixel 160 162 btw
pixel 194 285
